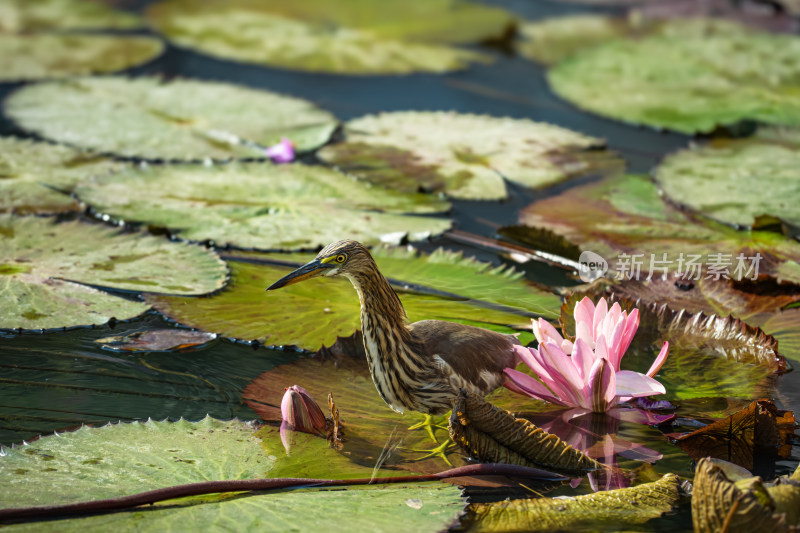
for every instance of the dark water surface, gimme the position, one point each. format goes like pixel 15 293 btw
pixel 56 380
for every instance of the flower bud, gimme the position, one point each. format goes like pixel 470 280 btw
pixel 300 413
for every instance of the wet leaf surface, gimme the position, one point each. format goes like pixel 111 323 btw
pixel 490 434
pixel 177 120
pixel 724 498
pixel 442 285
pixel 464 156
pixel 611 509
pixel 38 177
pixel 719 182
pixel 752 438
pixel 358 37
pixel 122 459
pixel 693 87
pixel 157 340
pixel 625 221
pixel 48 272
pixel 21 16
pixel 264 206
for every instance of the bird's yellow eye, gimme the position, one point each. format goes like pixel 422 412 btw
pixel 341 258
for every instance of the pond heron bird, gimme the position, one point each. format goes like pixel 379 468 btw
pixel 420 366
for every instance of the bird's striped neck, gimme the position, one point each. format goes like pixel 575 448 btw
pixel 394 357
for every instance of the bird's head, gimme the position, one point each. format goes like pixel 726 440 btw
pixel 339 258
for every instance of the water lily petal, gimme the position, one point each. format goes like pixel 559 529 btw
pixel 636 452
pixel 659 362
pixel 634 384
pixel 522 383
pixel 283 152
pixel 529 356
pixel 602 386
pixel 583 357
pixel 545 332
pixel 631 325
pixel 564 371
pixel 567 346
pixel 584 311
pixel 600 312
pixel 301 412
pixel 614 344
pixel 640 416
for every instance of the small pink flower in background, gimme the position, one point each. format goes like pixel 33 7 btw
pixel 300 413
pixel 283 152
pixel 586 373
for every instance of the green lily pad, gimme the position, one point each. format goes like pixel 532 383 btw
pixel 612 509
pixel 464 156
pixel 746 183
pixel 22 16
pixel 264 206
pixel 44 266
pixel 694 86
pixel 624 219
pixel 316 312
pixel 38 177
pixel 32 48
pixel 121 459
pixel 178 120
pixel 356 37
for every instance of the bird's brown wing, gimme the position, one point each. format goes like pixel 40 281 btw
pixel 471 352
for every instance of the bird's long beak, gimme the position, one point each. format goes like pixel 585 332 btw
pixel 307 271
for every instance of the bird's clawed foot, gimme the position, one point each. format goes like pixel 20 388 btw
pixel 439 451
pixel 429 423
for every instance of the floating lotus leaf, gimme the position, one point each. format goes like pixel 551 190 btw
pixel 357 37
pixel 157 340
pixel 747 184
pixel 179 120
pixel 260 205
pixel 623 219
pixel 38 177
pixel 723 502
pixel 443 285
pixel 493 435
pixel 750 438
pixel 709 356
pixel 121 459
pixel 44 265
pixel 694 86
pixel 464 156
pixel 614 509
pixel 28 49
pixel 22 16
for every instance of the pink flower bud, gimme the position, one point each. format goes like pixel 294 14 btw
pixel 283 152
pixel 300 413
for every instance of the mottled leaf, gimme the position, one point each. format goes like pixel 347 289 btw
pixel 264 206
pixel 37 177
pixel 157 340
pixel 121 459
pixel 443 285
pixel 356 37
pixel 695 85
pixel 748 184
pixel 719 504
pixel 751 438
pixel 490 434
pixel 180 119
pixel 23 16
pixel 613 509
pixel 44 266
pixel 464 156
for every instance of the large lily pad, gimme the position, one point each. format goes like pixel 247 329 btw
pixel 264 206
pixel 622 216
pixel 45 269
pixel 694 86
pixel 180 119
pixel 464 156
pixel 31 49
pixel 38 177
pixel 356 37
pixel 613 509
pixel 316 312
pixel 121 459
pixel 748 184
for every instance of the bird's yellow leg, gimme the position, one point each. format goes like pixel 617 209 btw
pixel 429 423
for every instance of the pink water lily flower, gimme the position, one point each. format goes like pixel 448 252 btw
pixel 300 412
pixel 283 152
pixel 586 373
